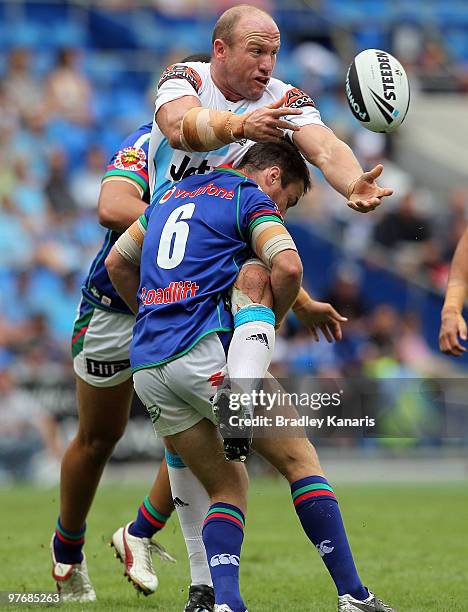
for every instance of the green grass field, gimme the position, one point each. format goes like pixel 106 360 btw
pixel 410 544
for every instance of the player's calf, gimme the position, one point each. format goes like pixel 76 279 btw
pixel 316 505
pixel 223 529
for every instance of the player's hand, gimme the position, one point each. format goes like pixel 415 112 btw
pixel 452 329
pixel 320 315
pixel 266 124
pixel 364 194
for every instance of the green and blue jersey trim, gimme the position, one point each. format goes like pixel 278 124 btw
pixel 261 219
pixel 143 220
pixel 127 174
pixel 182 353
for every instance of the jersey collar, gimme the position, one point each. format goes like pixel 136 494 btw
pixel 228 168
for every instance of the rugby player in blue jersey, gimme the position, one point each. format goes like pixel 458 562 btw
pixel 189 247
pixel 100 349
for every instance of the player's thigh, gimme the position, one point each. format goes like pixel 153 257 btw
pixel 100 349
pixel 100 346
pixel 253 281
pixel 178 394
pixel 202 451
pixel 287 449
pixel 103 411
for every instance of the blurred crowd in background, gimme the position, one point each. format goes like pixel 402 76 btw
pixel 70 94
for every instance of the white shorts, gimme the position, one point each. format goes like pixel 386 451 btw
pixel 101 345
pixel 177 394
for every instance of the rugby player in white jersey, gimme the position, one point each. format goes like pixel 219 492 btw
pixel 207 115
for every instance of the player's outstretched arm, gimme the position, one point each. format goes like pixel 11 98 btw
pixel 190 127
pixel 340 167
pixel 318 315
pixel 453 326
pixel 123 264
pixel 120 203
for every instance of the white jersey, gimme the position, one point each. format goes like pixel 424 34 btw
pixel 168 165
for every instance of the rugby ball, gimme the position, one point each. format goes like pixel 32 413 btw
pixel 377 90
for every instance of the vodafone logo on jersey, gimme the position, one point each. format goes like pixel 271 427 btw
pixel 167 195
pixel 211 190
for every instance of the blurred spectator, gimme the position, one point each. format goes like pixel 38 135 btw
pixel 68 89
pixel 28 197
pixel 57 186
pixel 25 431
pixel 86 183
pixel 383 328
pixel 405 232
pixel 412 348
pixel 16 244
pixel 23 90
pixel 9 112
pixel 33 143
pixel 345 292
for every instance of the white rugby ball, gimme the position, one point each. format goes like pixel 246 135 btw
pixel 377 89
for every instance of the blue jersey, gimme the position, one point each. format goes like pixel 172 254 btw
pixel 197 238
pixel 130 161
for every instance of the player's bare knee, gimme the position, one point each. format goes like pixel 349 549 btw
pixel 254 282
pixel 98 445
pixel 294 459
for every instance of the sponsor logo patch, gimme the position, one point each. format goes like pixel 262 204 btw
pixel 179 503
pixel 167 195
pixel 262 338
pixel 224 559
pixel 179 71
pixel 174 292
pixel 211 190
pixel 388 111
pixel 296 98
pixel 154 412
pixel 184 170
pixel 106 369
pixel 130 158
pixel 323 549
pixel 216 379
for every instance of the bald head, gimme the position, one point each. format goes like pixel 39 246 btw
pixel 227 24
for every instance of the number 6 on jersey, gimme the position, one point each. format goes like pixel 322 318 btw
pixel 177 230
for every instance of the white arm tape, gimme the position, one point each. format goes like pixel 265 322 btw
pixel 129 248
pixel 273 246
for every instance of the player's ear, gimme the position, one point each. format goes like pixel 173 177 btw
pixel 274 174
pixel 219 49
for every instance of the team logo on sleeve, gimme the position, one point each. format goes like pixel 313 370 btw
pixel 131 159
pixel 296 98
pixel 179 71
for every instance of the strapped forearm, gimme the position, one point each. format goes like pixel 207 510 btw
pixel 203 129
pixel 270 238
pixel 130 243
